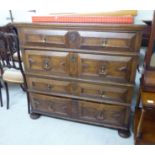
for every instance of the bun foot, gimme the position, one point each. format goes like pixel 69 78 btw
pixel 124 133
pixel 34 116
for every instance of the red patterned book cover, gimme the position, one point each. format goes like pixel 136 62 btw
pixel 83 19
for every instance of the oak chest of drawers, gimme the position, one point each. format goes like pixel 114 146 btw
pixel 81 72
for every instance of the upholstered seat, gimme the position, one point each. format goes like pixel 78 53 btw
pixel 13 75
pixel 15 56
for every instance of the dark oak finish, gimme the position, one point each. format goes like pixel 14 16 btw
pixel 144 123
pixel 81 72
pixel 117 41
pixel 146 33
pixel 147 135
pixel 95 91
pixel 108 115
pixel 151 46
pixel 85 66
pixel 148 81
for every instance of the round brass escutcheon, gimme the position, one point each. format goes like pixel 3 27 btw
pixel 73 38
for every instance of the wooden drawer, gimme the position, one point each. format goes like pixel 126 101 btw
pixel 84 66
pixel 103 113
pixel 49 85
pixel 122 94
pixel 46 62
pixel 115 41
pixel 101 67
pixel 50 104
pixel 44 37
pixel 100 92
pixel 93 40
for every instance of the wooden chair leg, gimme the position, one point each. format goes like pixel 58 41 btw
pixel 23 87
pixel 7 94
pixel 28 101
pixel 1 100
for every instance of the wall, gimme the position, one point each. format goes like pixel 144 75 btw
pixel 3 15
pixel 144 15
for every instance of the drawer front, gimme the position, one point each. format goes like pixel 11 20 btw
pixel 44 37
pixel 49 85
pixel 102 113
pixel 93 40
pixel 46 62
pixel 115 41
pixel 78 65
pixel 101 92
pixel 49 104
pixel 99 67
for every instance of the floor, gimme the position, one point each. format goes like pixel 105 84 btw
pixel 16 127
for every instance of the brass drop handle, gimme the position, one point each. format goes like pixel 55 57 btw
pixel 51 106
pixel 101 115
pixel 44 39
pixel 104 43
pixel 49 87
pixel 33 84
pixel 102 93
pixel 46 64
pixel 36 104
pixel 103 70
pixel 31 61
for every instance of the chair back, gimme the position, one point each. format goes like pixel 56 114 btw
pixel 9 45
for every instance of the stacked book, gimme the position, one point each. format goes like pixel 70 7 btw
pixel 119 17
